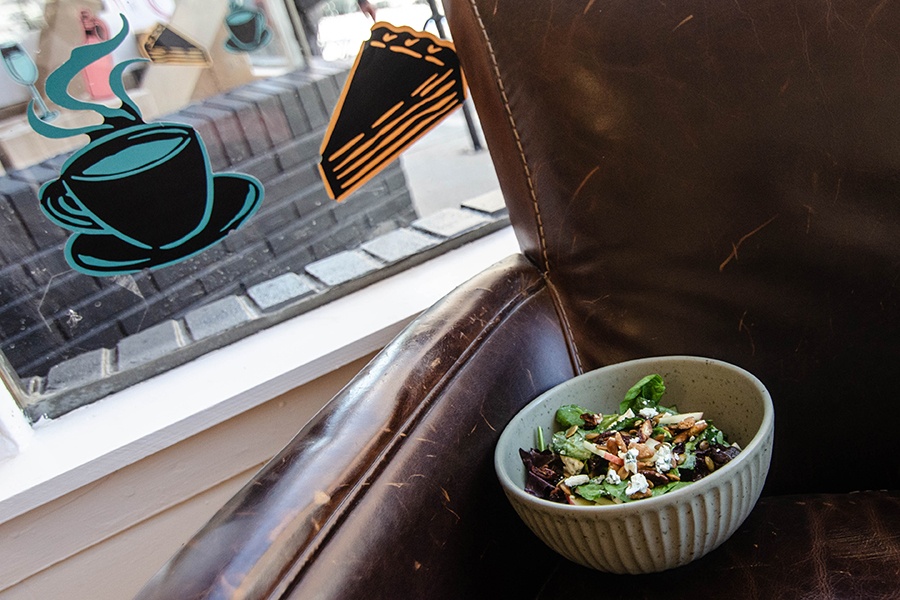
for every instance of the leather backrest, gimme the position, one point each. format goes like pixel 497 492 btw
pixel 713 178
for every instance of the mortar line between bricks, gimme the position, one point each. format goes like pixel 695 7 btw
pixel 210 275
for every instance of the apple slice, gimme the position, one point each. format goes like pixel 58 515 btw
pixel 608 456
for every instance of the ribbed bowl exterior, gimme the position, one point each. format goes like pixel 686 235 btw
pixel 664 537
pixel 658 533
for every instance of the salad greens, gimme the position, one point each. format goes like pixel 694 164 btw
pixel 645 450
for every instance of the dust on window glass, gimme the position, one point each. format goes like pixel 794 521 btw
pixel 163 197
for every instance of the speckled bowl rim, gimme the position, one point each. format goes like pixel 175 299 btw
pixel 757 442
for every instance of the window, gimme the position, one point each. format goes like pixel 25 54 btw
pixel 69 335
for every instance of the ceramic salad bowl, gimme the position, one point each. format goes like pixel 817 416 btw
pixel 659 532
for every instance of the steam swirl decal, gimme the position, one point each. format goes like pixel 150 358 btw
pixel 139 195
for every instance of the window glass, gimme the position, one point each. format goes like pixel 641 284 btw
pixel 161 197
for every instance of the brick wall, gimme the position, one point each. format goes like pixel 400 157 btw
pixel 271 129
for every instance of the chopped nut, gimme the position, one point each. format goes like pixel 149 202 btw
pixel 643 451
pixel 611 444
pixel 591 420
pixel 654 477
pixel 646 430
pixel 686 423
pixel 698 428
pixel 620 442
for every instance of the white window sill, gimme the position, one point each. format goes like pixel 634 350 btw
pixel 67 453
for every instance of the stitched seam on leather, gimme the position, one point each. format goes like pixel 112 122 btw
pixel 570 337
pixel 333 521
pixel 515 131
pixel 545 257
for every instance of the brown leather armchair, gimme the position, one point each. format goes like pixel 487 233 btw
pixel 709 178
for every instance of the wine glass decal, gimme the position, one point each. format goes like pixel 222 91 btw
pixel 24 72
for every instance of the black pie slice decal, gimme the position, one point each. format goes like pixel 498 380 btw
pixel 403 83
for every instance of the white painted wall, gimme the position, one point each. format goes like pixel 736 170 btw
pixel 104 540
pixel 93 503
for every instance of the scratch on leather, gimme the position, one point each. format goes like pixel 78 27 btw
pixel 683 21
pixel 584 181
pixel 743 327
pixel 744 238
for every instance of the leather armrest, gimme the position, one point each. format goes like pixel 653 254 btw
pixel 386 472
pixel 389 492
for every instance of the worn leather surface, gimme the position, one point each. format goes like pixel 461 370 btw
pixel 385 474
pixel 710 178
pixel 434 512
pixel 813 546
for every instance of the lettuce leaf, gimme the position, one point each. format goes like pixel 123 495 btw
pixel 646 393
pixel 570 446
pixel 595 491
pixel 570 414
pixel 662 489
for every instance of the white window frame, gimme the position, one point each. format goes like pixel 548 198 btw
pixel 55 457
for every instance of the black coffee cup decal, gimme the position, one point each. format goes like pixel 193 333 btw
pixel 138 195
pixel 247 28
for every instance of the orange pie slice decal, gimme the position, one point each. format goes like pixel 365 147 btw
pixel 397 91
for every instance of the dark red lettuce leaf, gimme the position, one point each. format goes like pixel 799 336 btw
pixel 543 471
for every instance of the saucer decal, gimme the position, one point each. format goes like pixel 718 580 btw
pixel 247 28
pixel 138 195
pixel 403 83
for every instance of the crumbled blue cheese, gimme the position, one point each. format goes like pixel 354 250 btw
pixel 613 478
pixel 648 412
pixel 576 480
pixel 637 485
pixel 630 457
pixel 663 458
pixel 571 466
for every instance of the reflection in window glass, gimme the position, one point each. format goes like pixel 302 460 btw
pixel 76 320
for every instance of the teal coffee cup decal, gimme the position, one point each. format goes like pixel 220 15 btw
pixel 139 195
pixel 247 28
